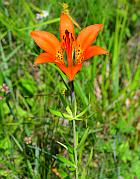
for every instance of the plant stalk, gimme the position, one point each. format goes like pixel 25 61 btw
pixel 75 149
pixel 73 102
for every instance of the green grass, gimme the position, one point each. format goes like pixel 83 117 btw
pixel 35 139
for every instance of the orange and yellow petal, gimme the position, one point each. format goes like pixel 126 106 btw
pixel 87 36
pixel 45 40
pixel 44 58
pixel 93 51
pixel 66 25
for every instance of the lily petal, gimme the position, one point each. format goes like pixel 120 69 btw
pixel 66 25
pixel 87 36
pixel 93 51
pixel 46 41
pixel 44 58
pixel 70 72
pixel 74 70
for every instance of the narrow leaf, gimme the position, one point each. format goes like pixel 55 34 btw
pixel 82 113
pixel 83 138
pixel 65 161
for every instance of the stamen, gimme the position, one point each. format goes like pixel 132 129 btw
pixel 68 42
pixel 72 37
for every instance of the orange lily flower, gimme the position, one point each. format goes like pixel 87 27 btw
pixel 54 49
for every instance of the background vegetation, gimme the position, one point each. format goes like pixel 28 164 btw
pixel 108 87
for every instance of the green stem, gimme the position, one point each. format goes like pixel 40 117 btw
pixel 73 102
pixel 75 148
